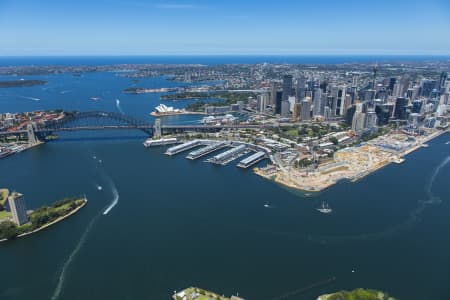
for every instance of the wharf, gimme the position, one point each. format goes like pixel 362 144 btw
pixel 229 155
pixel 252 159
pixel 206 150
pixel 183 147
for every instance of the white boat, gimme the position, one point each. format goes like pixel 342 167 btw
pixel 267 205
pixel 448 142
pixel 325 209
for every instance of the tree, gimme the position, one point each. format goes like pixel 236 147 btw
pixel 8 230
pixel 334 140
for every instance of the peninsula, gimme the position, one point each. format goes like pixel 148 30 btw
pixel 21 83
pixel 359 294
pixel 19 222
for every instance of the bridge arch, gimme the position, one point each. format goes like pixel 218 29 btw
pixel 119 121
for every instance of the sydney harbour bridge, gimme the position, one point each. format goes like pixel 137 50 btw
pixel 101 120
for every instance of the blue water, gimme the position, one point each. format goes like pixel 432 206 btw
pixel 175 223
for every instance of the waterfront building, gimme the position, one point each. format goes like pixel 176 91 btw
pixel 18 208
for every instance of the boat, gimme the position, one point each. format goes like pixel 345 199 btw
pixel 94 98
pixel 267 205
pixel 448 142
pixel 325 209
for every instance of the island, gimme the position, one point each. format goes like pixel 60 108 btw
pixel 194 293
pixel 21 83
pixel 36 220
pixel 358 294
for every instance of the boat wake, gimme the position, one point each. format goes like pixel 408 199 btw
pixel 68 262
pixel 30 98
pixel 119 108
pixel 114 201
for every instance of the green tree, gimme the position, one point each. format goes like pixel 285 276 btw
pixel 334 140
pixel 8 230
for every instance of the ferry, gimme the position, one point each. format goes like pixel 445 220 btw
pixel 160 142
pixel 325 209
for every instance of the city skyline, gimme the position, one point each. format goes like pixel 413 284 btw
pixel 118 27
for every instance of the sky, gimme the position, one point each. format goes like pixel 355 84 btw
pixel 224 27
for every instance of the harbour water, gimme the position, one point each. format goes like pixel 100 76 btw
pixel 161 223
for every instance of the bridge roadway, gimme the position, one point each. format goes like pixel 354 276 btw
pixel 140 127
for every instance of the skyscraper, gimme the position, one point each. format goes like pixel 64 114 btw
pixel 18 208
pixel 400 108
pixel 305 110
pixel 287 87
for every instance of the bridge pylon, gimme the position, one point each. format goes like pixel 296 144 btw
pixel 30 133
pixel 157 134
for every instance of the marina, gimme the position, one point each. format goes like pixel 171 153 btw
pixel 206 150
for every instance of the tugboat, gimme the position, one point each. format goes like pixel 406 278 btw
pixel 325 209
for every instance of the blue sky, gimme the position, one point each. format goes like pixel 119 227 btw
pixel 139 27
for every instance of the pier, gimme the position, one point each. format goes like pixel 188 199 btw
pixel 252 159
pixel 206 150
pixel 183 147
pixel 229 155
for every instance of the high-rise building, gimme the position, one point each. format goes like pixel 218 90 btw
pixel 400 112
pixel 273 93
pixel 370 121
pixel 285 109
pixel 442 80
pixel 296 112
pixel 305 109
pixel 317 99
pixel 18 208
pixel 287 87
pixel 300 88
pixel 262 102
pixel 278 100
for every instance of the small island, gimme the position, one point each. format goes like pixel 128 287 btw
pixel 21 83
pixel 18 222
pixel 194 293
pixel 358 294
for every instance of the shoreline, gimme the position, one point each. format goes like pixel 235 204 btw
pixel 51 223
pixel 285 178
